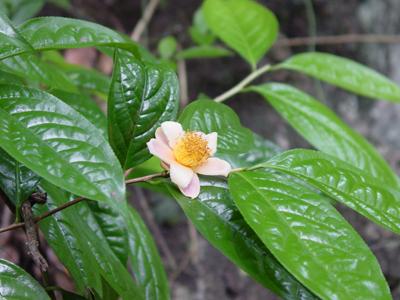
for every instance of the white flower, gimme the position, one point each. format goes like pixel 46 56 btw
pixel 187 154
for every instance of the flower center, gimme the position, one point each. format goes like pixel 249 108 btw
pixel 191 150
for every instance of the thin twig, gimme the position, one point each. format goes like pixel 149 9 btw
pixel 143 22
pixel 154 228
pixel 183 82
pixel 77 200
pixel 340 39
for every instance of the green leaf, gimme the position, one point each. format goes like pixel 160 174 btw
pixel 15 283
pixel 343 182
pixel 145 260
pixel 246 26
pixel 86 107
pixel 344 73
pixel 236 143
pixel 218 220
pixel 6 77
pixel 84 78
pixel 59 144
pixel 109 225
pixel 11 42
pixel 308 236
pixel 50 33
pixel 30 67
pixel 21 10
pixel 167 47
pixel 81 226
pixel 63 233
pixel 205 51
pixel 199 31
pixel 16 180
pixel 142 96
pixel 324 130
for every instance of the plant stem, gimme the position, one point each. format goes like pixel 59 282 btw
pixel 77 200
pixel 242 84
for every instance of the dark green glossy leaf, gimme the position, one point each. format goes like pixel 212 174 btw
pixel 205 51
pixel 11 42
pixel 109 225
pixel 142 96
pixel 308 236
pixel 16 284
pixel 81 225
pixel 344 73
pixel 16 180
pixel 324 130
pixel 145 260
pixel 86 107
pixel 236 143
pixel 246 26
pixel 30 67
pixel 88 79
pixel 49 33
pixel 218 220
pixel 63 233
pixel 343 182
pixel 59 144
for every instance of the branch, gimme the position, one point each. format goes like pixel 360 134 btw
pixel 77 200
pixel 340 39
pixel 143 22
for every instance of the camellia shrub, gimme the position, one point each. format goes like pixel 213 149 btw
pixel 64 164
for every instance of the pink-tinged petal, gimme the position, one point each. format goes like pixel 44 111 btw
pixel 214 167
pixel 161 150
pixel 212 142
pixel 173 131
pixel 161 136
pixel 180 175
pixel 193 189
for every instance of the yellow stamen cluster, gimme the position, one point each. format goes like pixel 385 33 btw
pixel 191 150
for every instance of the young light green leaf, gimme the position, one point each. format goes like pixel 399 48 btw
pixel 16 180
pixel 199 31
pixel 367 195
pixel 324 130
pixel 49 33
pixel 15 283
pixel 308 236
pixel 145 260
pixel 218 220
pixel 107 264
pixel 59 144
pixel 167 47
pixel 244 25
pixel 205 51
pixel 142 96
pixel 344 73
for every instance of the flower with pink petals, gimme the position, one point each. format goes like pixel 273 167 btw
pixel 187 154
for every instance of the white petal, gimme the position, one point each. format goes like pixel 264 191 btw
pixel 193 189
pixel 212 142
pixel 173 131
pixel 161 150
pixel 180 175
pixel 214 167
pixel 161 136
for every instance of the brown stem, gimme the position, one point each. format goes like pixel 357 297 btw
pixel 32 240
pixel 143 22
pixel 77 200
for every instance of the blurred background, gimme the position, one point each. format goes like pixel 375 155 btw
pixel 195 269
